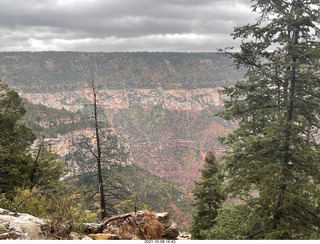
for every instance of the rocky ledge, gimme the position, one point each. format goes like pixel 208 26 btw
pixel 18 226
pixel 130 226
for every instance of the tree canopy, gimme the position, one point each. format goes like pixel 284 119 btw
pixel 273 159
pixel 15 140
pixel 208 195
pixel 19 168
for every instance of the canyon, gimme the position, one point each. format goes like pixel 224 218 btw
pixel 159 110
pixel 169 132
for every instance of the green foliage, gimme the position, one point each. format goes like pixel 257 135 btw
pixel 233 223
pixel 157 193
pixel 273 161
pixel 208 196
pixel 133 204
pixel 64 207
pixel 18 167
pixel 69 209
pixel 46 169
pixel 15 140
pixel 51 121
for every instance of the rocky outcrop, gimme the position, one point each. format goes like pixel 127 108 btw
pixel 184 236
pixel 193 99
pixel 132 226
pixel 18 226
pixel 65 121
pixel 115 149
pixel 171 229
pixel 102 236
pixel 170 131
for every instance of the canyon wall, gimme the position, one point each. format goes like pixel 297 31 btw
pixel 194 99
pixel 169 132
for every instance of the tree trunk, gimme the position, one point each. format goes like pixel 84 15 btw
pixel 98 156
pixel 287 132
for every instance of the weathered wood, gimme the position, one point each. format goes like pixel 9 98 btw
pixel 123 216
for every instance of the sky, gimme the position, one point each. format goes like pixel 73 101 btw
pixel 121 25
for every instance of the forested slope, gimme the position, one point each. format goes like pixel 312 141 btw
pixel 40 72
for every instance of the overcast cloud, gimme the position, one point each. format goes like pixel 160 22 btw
pixel 121 25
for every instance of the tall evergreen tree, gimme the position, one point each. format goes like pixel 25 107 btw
pixel 208 197
pixel 273 164
pixel 18 167
pixel 15 140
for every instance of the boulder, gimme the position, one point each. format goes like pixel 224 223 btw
pixel 164 219
pixel 184 236
pixel 104 236
pixel 17 226
pixel 91 228
pixel 171 229
pixel 77 236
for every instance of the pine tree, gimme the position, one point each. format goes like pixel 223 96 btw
pixel 15 140
pixel 208 197
pixel 18 167
pixel 273 164
pixel 46 168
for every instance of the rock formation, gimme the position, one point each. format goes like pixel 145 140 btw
pixel 130 226
pixel 116 150
pixel 169 131
pixel 193 99
pixel 18 226
pixel 171 229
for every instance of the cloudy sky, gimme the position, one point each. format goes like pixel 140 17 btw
pixel 121 25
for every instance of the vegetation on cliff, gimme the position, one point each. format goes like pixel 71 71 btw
pixel 51 121
pixel 30 179
pixel 158 194
pixel 171 143
pixel 49 72
pixel 155 192
pixel 18 166
pixel 272 163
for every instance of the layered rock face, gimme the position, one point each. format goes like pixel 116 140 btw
pixel 115 149
pixel 194 99
pixel 171 154
pixel 169 132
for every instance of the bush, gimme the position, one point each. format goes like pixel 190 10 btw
pixel 134 204
pixel 64 209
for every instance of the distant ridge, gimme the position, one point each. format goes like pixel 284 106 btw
pixel 49 72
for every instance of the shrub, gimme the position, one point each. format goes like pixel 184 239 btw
pixel 64 209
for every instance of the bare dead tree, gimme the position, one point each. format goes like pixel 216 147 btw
pixel 98 149
pixel 97 155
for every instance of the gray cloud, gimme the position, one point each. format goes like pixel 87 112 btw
pixel 120 25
